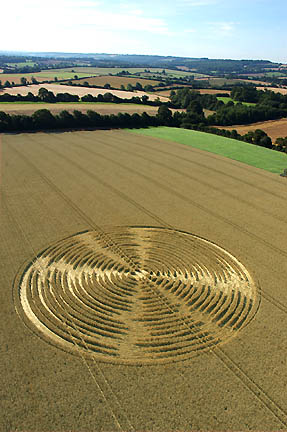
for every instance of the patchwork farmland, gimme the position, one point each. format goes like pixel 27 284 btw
pixel 115 81
pixel 69 73
pixel 170 263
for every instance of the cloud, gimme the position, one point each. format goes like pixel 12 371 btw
pixel 222 27
pixel 89 26
pixel 64 14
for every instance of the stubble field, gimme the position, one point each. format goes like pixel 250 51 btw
pixel 273 128
pixel 80 91
pixel 275 89
pixel 102 108
pixel 187 327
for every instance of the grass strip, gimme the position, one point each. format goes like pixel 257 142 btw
pixel 259 157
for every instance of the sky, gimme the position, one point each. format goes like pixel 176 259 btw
pixel 235 29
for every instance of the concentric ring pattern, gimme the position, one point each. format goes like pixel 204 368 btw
pixel 136 295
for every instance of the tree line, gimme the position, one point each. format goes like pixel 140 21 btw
pixel 269 106
pixel 43 119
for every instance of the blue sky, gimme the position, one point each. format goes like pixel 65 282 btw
pixel 237 29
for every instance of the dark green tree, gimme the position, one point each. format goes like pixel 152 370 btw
pixel 65 119
pixel 43 119
pixel 148 88
pixel 164 115
pixel 144 99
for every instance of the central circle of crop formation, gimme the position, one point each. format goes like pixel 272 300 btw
pixel 135 295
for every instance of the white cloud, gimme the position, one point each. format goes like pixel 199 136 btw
pixel 75 26
pixel 223 28
pixel 86 26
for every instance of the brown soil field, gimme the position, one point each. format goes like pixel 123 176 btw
pixel 273 128
pixel 115 81
pixel 143 287
pixel 105 108
pixel 80 91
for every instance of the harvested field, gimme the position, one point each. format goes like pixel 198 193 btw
pixel 206 112
pixel 16 78
pixel 273 128
pixel 213 91
pixel 166 93
pixel 126 255
pixel 115 81
pixel 274 89
pixel 80 91
pixel 102 108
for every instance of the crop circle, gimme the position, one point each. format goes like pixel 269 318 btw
pixel 135 295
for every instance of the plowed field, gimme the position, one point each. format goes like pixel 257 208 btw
pixel 142 287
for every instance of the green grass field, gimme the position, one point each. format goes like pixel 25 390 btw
pixel 226 99
pixel 21 64
pixel 170 73
pixel 61 74
pixel 275 74
pixel 218 82
pixel 260 157
pixel 106 71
